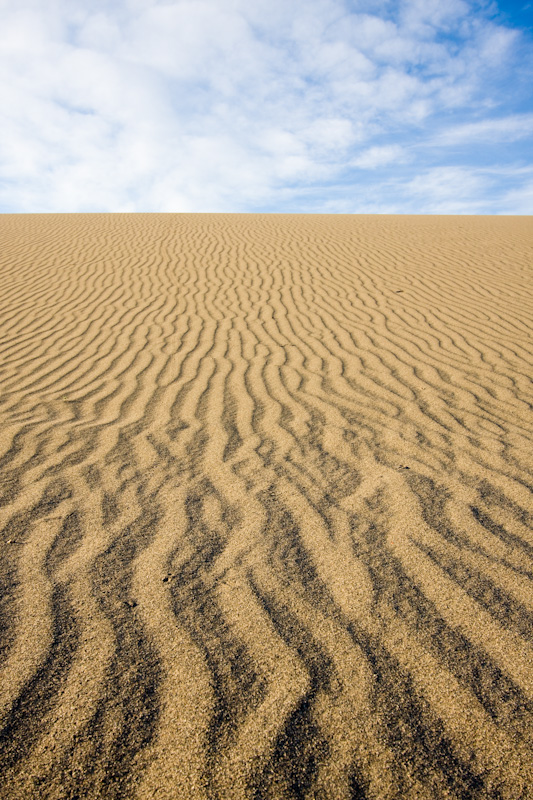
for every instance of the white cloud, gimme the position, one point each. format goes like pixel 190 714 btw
pixel 467 190
pixel 424 15
pixel 379 157
pixel 331 138
pixel 231 105
pixel 505 129
pixel 520 200
pixel 445 190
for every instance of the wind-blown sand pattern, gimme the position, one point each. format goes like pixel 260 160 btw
pixel 266 510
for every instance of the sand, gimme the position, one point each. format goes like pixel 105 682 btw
pixel 266 509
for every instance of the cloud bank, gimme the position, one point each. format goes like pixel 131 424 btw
pixel 411 106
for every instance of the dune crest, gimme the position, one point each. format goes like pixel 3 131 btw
pixel 266 507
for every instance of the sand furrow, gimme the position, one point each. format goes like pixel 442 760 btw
pixel 266 516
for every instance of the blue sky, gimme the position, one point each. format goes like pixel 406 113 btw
pixel 329 106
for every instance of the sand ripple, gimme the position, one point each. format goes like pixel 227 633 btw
pixel 266 511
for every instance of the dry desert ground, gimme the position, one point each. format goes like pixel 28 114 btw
pixel 266 507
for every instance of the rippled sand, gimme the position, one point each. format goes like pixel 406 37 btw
pixel 266 510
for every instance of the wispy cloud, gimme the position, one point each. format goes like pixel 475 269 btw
pixel 208 105
pixel 504 129
pixel 382 156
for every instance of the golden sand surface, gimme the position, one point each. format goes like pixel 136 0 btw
pixel 266 509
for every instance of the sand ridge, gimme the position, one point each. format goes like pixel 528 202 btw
pixel 266 521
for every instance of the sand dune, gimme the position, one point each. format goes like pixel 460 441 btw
pixel 266 510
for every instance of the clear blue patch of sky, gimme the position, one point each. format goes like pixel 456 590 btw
pixel 516 14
